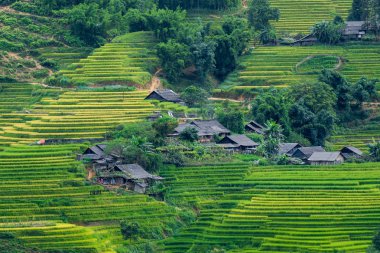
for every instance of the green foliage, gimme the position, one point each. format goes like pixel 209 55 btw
pixel 189 134
pixel 166 23
pixel 328 32
pixel 376 241
pixel 207 4
pixel 195 96
pixel 41 73
pixel 374 150
pixel 312 112
pixel 173 58
pixel 164 126
pixel 272 105
pixel 230 117
pixel 273 136
pixel 129 230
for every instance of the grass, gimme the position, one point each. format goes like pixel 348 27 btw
pixel 129 59
pixel 283 66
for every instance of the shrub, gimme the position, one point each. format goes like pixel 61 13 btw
pixel 10 46
pixel 41 73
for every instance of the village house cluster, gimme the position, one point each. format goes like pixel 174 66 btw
pixel 107 169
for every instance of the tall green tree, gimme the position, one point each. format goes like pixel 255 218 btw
pixel 174 57
pixel 260 13
pixel 273 136
pixel 195 96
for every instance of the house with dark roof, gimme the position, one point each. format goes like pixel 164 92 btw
pixel 351 152
pixel 325 158
pixel 254 127
pixel 304 153
pixel 307 40
pixel 354 30
pixel 288 148
pixel 207 129
pixel 165 95
pixel 238 142
pixel 131 176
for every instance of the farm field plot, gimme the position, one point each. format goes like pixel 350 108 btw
pixel 300 16
pixel 126 60
pixel 292 209
pixel 74 115
pixel 43 194
pixel 358 137
pixel 283 66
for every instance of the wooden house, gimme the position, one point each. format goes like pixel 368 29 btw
pixel 326 158
pixel 288 148
pixel 308 40
pixel 254 127
pixel 207 129
pixel 355 30
pixel 239 143
pixel 132 176
pixel 304 153
pixel 97 157
pixel 351 152
pixel 165 95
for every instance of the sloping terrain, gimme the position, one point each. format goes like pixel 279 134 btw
pixel 127 60
pixel 284 65
pixel 279 209
pixel 300 16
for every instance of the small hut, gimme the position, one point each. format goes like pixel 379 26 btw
pixel 354 30
pixel 165 95
pixel 132 176
pixel 351 152
pixel 206 129
pixel 326 158
pixel 288 148
pixel 239 143
pixel 254 127
pixel 304 153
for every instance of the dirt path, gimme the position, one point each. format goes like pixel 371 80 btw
pixel 244 3
pixel 225 99
pixel 156 81
pixel 8 9
pixel 338 66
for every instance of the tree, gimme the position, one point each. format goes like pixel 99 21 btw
pixel 357 12
pixel 341 88
pixel 173 58
pixel 203 57
pixel 312 111
pixel 164 126
pixel 129 230
pixel 195 96
pixel 273 136
pixel 272 105
pixel 189 134
pixel 260 14
pixel 232 118
pixel 225 56
pixel 328 32
pixel 364 90
pixel 376 241
pixel 166 23
pixel 374 150
pixel 87 22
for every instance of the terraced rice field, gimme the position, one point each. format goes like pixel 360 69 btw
pixel 44 197
pixel 358 137
pixel 277 66
pixel 300 16
pixel 74 115
pixel 126 60
pixel 284 209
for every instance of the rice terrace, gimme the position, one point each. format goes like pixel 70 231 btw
pixel 229 126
